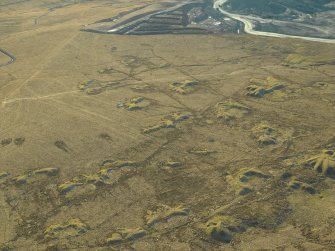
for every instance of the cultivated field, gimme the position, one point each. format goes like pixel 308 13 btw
pixel 167 142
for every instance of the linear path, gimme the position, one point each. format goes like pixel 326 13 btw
pixel 11 57
pixel 249 26
pixel 51 96
pixel 37 97
pixel 42 64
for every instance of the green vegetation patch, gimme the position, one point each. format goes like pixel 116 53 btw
pixel 230 110
pixel 169 165
pixel 73 227
pixel 323 163
pixel 94 87
pixel 136 103
pixel 184 87
pixel 164 213
pixel 202 151
pixel 259 87
pixel 86 183
pixel 126 234
pixel 36 174
pixel 296 184
pixel 4 176
pixel 265 134
pixel 169 121
pixel 222 228
pixel 248 180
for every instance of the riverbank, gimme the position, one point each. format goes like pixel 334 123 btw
pixel 249 26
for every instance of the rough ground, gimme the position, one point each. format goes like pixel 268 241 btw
pixel 172 142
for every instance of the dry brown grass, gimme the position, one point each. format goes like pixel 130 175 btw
pixel 41 103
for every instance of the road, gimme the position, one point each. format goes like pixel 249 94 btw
pixel 249 26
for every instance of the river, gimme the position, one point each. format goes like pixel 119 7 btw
pixel 249 26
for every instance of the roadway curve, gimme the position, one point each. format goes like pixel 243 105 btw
pixel 249 26
pixel 12 58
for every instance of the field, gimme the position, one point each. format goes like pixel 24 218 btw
pixel 167 142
